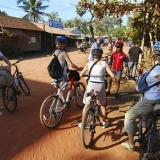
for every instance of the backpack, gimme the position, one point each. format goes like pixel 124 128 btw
pixel 141 83
pixel 6 78
pixel 54 68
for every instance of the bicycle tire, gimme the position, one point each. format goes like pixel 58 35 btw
pixel 50 115
pixel 150 147
pixel 87 127
pixel 79 91
pixel 10 99
pixel 23 85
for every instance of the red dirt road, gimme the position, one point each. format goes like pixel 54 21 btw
pixel 23 137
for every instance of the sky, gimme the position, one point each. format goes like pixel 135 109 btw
pixel 65 8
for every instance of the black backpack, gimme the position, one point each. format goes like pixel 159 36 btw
pixel 54 68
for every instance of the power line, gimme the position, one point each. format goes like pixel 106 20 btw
pixel 12 8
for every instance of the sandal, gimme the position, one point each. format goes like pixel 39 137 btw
pixel 128 146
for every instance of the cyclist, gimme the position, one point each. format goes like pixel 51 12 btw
pixel 63 57
pixel 96 82
pixel 145 106
pixel 8 67
pixel 116 65
pixel 96 44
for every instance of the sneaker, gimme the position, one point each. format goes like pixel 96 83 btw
pixel 128 146
pixel 116 95
pixel 1 113
pixel 1 107
pixel 105 124
pixel 79 125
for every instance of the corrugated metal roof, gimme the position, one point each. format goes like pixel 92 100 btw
pixel 17 23
pixel 54 30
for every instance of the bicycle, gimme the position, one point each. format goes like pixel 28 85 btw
pixel 149 139
pixel 89 118
pixel 53 107
pixel 19 79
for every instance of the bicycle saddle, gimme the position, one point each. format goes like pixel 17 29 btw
pixel 57 80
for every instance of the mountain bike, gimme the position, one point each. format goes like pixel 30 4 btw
pixel 53 107
pixel 149 139
pixel 89 119
pixel 19 79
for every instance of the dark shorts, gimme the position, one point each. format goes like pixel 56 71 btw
pixel 117 73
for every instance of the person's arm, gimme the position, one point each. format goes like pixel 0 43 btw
pixel 109 71
pixel 6 60
pixel 70 63
pixel 85 69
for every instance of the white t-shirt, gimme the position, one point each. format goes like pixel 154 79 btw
pixel 98 70
pixel 154 92
pixel 1 54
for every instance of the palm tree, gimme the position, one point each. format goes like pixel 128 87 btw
pixel 33 9
pixel 53 15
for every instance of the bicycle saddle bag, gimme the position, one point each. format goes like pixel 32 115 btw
pixel 6 78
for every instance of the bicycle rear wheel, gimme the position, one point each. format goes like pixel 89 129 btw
pixel 49 117
pixel 150 148
pixel 87 127
pixel 23 85
pixel 79 93
pixel 10 99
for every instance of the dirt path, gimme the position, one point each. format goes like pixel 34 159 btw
pixel 24 138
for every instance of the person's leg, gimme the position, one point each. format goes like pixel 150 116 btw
pixel 142 107
pixel 105 123
pixel 134 69
pixel 109 85
pixel 117 84
pixel 129 68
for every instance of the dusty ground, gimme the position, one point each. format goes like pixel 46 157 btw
pixel 23 137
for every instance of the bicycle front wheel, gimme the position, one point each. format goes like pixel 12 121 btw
pixel 79 93
pixel 49 117
pixel 87 127
pixel 23 85
pixel 150 148
pixel 10 99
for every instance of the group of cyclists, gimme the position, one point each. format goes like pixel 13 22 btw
pixel 114 69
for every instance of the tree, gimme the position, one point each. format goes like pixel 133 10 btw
pixel 116 8
pixel 53 15
pixel 33 9
pixel 81 11
pixel 3 13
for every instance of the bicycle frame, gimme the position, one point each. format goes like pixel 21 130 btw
pixel 59 93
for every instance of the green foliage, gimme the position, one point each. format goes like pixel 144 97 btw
pixel 33 8
pixel 3 13
pixel 118 32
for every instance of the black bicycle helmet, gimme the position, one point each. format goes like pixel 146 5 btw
pixel 61 39
pixel 97 52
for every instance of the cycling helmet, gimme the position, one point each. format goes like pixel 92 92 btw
pixel 101 40
pixel 156 48
pixel 119 44
pixel 97 52
pixel 61 39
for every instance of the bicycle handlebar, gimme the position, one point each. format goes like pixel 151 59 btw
pixel 20 59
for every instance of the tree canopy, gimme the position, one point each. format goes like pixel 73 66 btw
pixel 33 8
